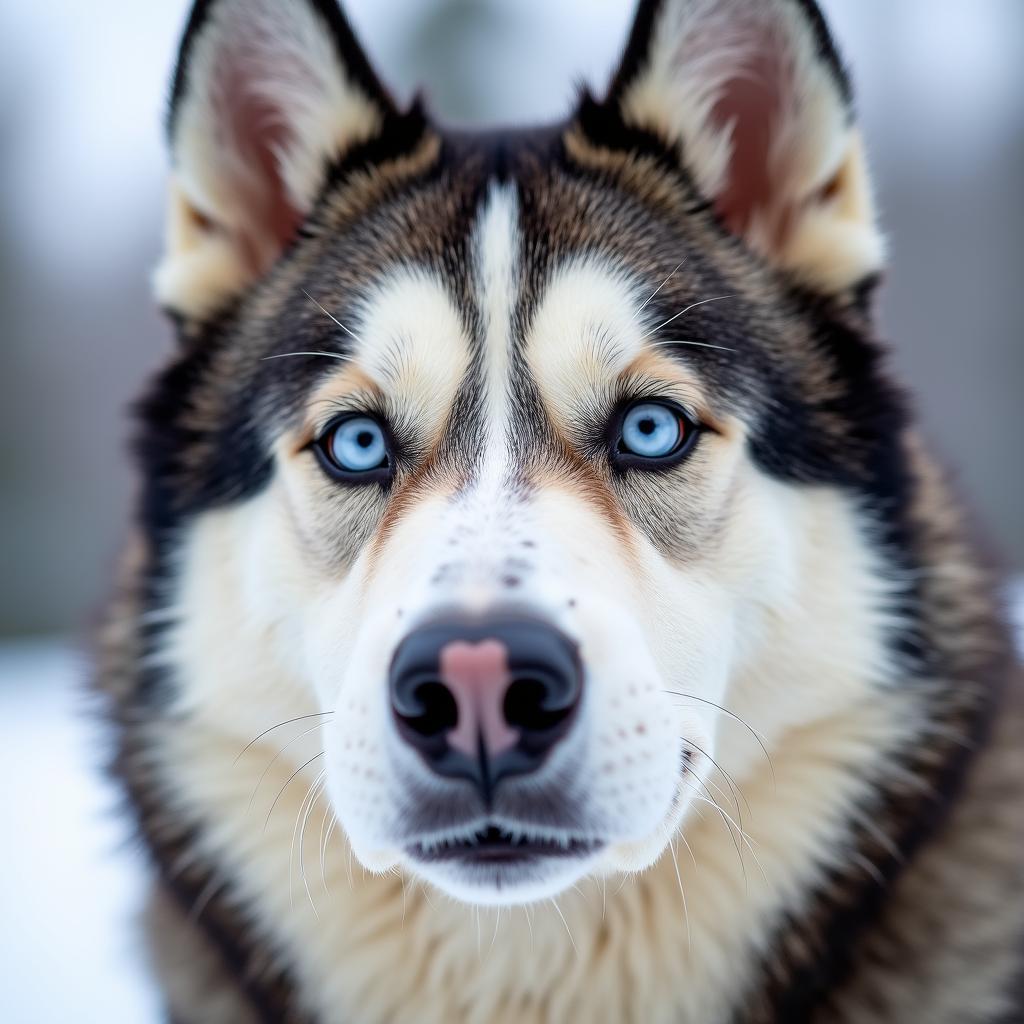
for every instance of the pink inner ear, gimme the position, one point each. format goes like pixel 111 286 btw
pixel 256 131
pixel 753 102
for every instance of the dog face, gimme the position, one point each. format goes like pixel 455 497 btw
pixel 515 461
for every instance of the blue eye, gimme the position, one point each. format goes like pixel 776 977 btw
pixel 652 430
pixel 356 446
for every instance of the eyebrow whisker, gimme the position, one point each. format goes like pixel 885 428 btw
pixel 284 355
pixel 328 313
pixel 660 286
pixel 695 344
pixel 693 305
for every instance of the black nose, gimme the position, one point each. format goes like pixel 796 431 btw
pixel 485 699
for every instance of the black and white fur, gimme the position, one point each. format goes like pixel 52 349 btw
pixel 800 748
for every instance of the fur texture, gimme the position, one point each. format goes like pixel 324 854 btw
pixel 796 770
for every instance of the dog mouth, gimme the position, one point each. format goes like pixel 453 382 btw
pixel 492 846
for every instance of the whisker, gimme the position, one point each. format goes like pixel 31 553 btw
pixel 583 895
pixel 693 305
pixel 309 799
pixel 291 845
pixel 314 794
pixel 494 937
pixel 529 924
pixel 324 836
pixel 729 796
pixel 679 879
pixel 273 760
pixel 727 819
pixel 312 352
pixel 745 837
pixel 713 802
pixel 287 721
pixel 328 313
pixel 568 930
pixel 298 818
pixel 660 286
pixel 736 794
pixel 760 737
pixel 670 342
pixel 741 833
pixel 689 850
pixel 280 792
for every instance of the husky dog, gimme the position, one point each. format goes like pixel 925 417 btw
pixel 542 609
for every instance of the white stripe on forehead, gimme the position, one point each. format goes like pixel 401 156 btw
pixel 496 250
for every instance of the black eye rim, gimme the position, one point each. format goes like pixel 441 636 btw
pixel 321 447
pixel 622 459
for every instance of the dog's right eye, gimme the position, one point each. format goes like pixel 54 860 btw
pixel 356 449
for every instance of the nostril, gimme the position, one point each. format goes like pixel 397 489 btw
pixel 429 709
pixel 485 699
pixel 532 705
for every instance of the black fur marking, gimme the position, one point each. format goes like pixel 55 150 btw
pixel 867 458
pixel 604 125
pixel 827 49
pixel 638 46
pixel 400 134
pixel 238 465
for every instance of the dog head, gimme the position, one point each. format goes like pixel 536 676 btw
pixel 517 460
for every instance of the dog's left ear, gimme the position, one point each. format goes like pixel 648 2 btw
pixel 753 99
pixel 266 97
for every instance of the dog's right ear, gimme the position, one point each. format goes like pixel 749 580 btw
pixel 267 96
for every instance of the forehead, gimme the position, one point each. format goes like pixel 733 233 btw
pixel 536 288
pixel 582 312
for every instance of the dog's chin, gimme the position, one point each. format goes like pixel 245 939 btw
pixel 495 868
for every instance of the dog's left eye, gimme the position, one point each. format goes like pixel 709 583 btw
pixel 652 433
pixel 355 448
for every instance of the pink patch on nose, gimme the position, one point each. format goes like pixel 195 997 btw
pixel 478 677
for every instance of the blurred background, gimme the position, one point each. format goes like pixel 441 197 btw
pixel 82 176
